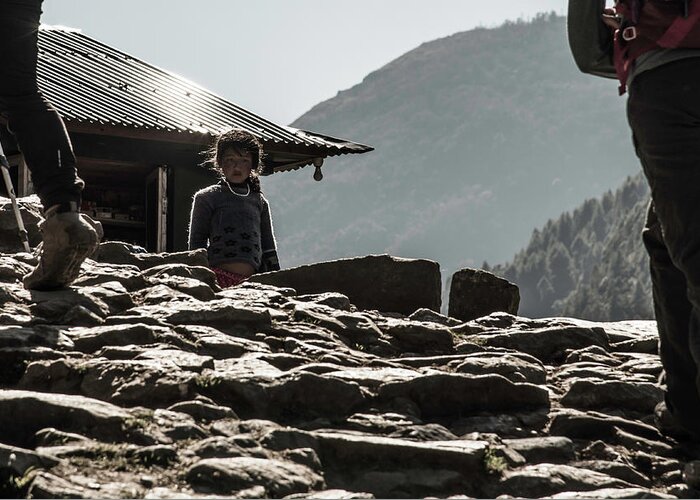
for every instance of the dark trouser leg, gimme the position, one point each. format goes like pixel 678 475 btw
pixel 38 128
pixel 673 313
pixel 664 113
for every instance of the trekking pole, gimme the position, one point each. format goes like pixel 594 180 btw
pixel 11 193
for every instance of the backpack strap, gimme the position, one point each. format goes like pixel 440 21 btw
pixel 681 27
pixel 629 11
pixel 631 41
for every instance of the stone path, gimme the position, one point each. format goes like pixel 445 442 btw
pixel 145 380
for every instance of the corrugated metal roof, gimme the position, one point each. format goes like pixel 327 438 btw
pixel 92 83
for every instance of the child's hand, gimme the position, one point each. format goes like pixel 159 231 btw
pixel 610 19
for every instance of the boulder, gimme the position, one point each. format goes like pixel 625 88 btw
pixel 30 210
pixel 380 282
pixel 475 293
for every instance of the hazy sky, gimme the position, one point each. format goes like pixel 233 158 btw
pixel 278 58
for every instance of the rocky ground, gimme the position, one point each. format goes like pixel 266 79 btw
pixel 145 380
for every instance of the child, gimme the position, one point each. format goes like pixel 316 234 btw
pixel 231 218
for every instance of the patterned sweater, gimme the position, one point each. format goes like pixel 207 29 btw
pixel 233 228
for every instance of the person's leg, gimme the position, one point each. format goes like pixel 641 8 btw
pixel 68 239
pixel 664 114
pixel 672 310
pixel 38 128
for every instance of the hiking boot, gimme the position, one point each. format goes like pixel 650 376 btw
pixel 691 474
pixel 68 239
pixel 668 426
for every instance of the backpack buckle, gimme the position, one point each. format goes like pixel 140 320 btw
pixel 629 33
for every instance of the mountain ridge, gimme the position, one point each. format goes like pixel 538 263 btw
pixel 480 137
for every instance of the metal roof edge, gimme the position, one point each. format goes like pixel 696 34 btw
pixel 357 147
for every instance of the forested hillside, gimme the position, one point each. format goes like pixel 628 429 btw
pixel 480 137
pixel 588 263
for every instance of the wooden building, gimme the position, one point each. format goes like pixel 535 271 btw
pixel 138 132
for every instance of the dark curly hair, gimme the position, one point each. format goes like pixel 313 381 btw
pixel 241 142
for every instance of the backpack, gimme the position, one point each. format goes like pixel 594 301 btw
pixel 645 25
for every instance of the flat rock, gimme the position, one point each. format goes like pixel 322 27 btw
pixel 137 382
pixel 594 425
pixel 53 306
pixel 429 316
pixel 587 370
pixel 227 447
pixel 396 464
pixel 594 394
pixel 417 337
pixel 46 485
pixel 228 475
pixel 449 394
pixel 91 339
pixel 96 274
pixel 181 287
pixel 203 411
pixel 19 460
pixel 335 494
pixel 86 416
pixel 613 493
pixel 546 344
pixel 125 382
pixel 554 450
pixel 615 469
pixel 167 426
pixel 436 361
pixel 310 395
pixel 184 360
pixel 518 424
pixel 381 423
pixel 514 368
pixel 334 300
pixel 374 377
pixel 199 273
pixel 595 354
pixel 37 336
pixel 258 294
pixel 221 313
pixel 534 481
pixel 212 342
pixel 12 270
pixel 115 252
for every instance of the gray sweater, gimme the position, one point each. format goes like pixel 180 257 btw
pixel 233 228
pixel 656 58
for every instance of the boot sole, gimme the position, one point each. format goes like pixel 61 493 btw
pixel 66 275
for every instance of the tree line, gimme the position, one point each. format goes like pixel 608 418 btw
pixel 589 263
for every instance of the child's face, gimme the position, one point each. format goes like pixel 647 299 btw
pixel 236 165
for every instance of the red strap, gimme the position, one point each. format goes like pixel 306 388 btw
pixel 680 28
pixel 622 62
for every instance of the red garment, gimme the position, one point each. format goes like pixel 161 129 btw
pixel 651 26
pixel 227 279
